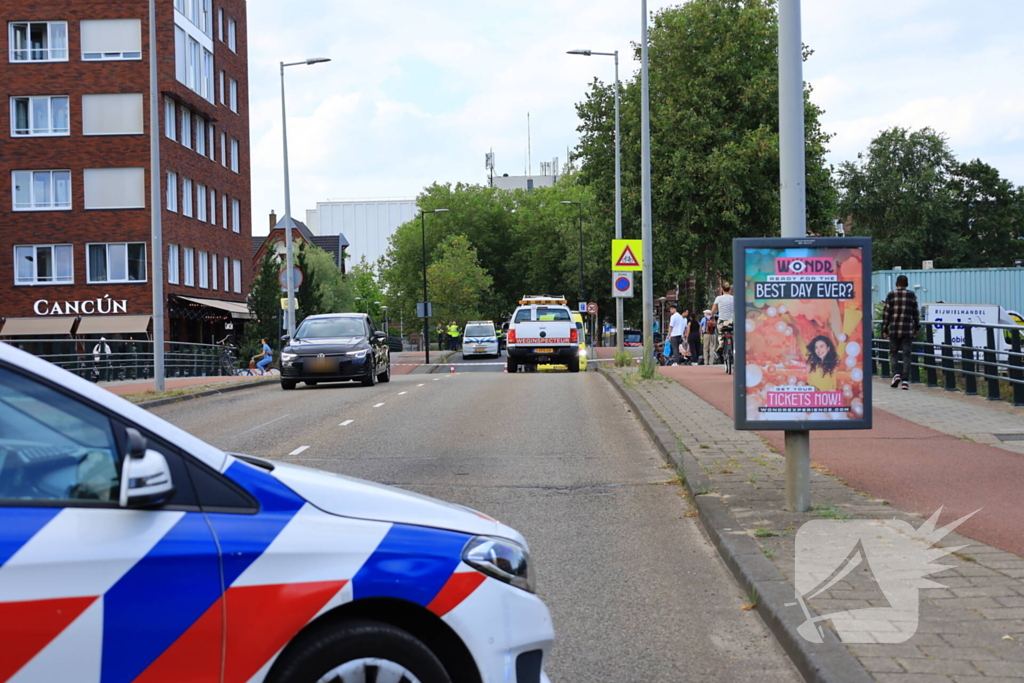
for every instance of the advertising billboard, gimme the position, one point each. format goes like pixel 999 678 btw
pixel 802 333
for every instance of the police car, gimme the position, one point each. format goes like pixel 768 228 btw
pixel 480 339
pixel 130 550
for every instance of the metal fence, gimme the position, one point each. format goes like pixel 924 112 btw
pixel 116 360
pixel 988 360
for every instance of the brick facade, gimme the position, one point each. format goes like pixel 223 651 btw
pixel 76 152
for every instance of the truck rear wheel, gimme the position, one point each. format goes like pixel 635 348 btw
pixel 512 366
pixel 574 364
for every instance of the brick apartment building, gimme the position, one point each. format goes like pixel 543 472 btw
pixel 75 235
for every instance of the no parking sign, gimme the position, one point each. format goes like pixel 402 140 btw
pixel 622 285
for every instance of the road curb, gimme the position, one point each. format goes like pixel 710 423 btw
pixel 827 662
pixel 157 402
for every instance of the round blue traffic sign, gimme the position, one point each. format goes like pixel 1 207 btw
pixel 622 284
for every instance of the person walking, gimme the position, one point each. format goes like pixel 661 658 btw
pixel 707 331
pixel 693 335
pixel 676 330
pixel 901 320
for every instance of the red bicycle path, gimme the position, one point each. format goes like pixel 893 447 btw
pixel 915 468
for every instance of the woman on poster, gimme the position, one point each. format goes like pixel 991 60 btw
pixel 822 361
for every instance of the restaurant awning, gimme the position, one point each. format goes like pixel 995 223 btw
pixel 36 327
pixel 114 324
pixel 237 309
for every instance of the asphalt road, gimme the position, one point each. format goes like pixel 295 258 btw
pixel 636 591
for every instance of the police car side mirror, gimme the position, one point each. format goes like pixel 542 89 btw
pixel 145 476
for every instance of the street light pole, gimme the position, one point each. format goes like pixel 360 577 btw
pixel 618 183
pixel 645 182
pixel 583 294
pixel 426 318
pixel 156 208
pixel 289 280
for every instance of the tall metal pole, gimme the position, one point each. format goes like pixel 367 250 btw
pixel 289 284
pixel 793 198
pixel 156 208
pixel 618 205
pixel 426 318
pixel 645 184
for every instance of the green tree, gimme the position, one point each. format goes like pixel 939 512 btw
pixel 365 283
pixel 988 220
pixel 714 139
pixel 265 307
pixel 458 281
pixel 899 193
pixel 308 299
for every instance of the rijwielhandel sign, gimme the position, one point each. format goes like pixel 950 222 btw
pixel 803 340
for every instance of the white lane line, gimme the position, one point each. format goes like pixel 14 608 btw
pixel 436 378
pixel 419 385
pixel 378 405
pixel 346 423
pixel 298 450
pixel 258 426
pixel 402 393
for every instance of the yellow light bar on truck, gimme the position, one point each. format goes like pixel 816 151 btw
pixel 531 300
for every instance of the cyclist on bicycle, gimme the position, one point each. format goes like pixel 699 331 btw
pixel 723 306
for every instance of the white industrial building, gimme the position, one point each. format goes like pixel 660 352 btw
pixel 367 223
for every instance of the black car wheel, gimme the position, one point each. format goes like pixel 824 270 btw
pixel 386 375
pixel 370 378
pixel 512 366
pixel 287 384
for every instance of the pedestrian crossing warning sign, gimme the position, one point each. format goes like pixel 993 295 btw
pixel 627 255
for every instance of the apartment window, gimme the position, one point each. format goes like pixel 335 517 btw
pixel 186 197
pixel 172 191
pixel 111 39
pixel 220 24
pixel 231 34
pixel 213 206
pixel 39 41
pixel 226 276
pixel 207 75
pixel 114 188
pixel 190 266
pixel 223 149
pixel 173 272
pixel 212 147
pixel 201 202
pixel 112 114
pixel 234 155
pixel 43 264
pixel 236 276
pixel 224 210
pixel 236 215
pixel 206 19
pixel 170 119
pixel 116 262
pixel 213 271
pixel 41 190
pixel 233 94
pixel 46 115
pixel 204 270
pixel 200 136
pixel 186 127
pixel 222 86
pixel 180 54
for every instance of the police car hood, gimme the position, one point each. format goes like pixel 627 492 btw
pixel 351 497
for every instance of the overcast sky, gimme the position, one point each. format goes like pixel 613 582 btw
pixel 418 92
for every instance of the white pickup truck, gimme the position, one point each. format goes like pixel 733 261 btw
pixel 542 331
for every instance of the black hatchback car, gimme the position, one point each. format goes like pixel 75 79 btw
pixel 336 347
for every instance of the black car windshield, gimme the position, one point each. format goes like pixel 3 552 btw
pixel 325 328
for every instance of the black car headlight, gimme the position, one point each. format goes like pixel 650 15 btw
pixel 286 356
pixel 359 353
pixel 501 559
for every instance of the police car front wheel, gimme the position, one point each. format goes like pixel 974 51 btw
pixel 361 651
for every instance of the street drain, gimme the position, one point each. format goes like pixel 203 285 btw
pixel 1009 437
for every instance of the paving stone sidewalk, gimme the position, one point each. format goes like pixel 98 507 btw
pixel 971 630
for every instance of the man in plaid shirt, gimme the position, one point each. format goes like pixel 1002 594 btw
pixel 901 320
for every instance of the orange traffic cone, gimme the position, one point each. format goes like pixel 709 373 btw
pixel 451 369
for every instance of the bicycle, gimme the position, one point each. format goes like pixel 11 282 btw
pixel 727 350
pixel 228 365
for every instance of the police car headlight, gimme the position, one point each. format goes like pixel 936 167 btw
pixel 288 356
pixel 501 559
pixel 361 353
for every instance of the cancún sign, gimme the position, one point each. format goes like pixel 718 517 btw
pixel 99 306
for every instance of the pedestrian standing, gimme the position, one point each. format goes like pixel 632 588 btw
pixel 707 331
pixel 901 319
pixel 440 337
pixel 693 336
pixel 453 336
pixel 676 329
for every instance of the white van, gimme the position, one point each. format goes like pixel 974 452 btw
pixel 480 339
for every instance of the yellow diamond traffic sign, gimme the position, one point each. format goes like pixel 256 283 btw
pixel 627 255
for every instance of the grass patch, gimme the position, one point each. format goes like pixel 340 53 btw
pixel 830 512
pixel 691 513
pixel 764 532
pixel 702 490
pixel 704 445
pixel 752 479
pixel 623 359
pixel 752 598
pixel 965 558
pixel 768 553
pixel 726 471
pixel 648 366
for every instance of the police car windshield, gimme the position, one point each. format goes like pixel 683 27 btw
pixel 479 331
pixel 324 328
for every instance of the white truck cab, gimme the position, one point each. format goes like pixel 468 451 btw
pixel 542 332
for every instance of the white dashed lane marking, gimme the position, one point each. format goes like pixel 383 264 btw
pixel 298 450
pixel 378 405
pixel 402 393
pixel 419 385
pixel 346 423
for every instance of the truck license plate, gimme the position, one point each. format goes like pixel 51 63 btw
pixel 543 350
